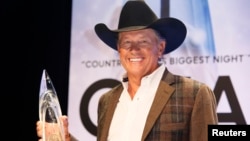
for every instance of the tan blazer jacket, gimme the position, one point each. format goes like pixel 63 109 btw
pixel 181 111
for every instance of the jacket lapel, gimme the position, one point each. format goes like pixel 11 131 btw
pixel 163 94
pixel 114 99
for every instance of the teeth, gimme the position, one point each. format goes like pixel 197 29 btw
pixel 135 59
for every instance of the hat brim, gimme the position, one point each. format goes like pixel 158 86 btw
pixel 173 30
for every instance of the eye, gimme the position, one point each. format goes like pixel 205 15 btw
pixel 143 43
pixel 126 44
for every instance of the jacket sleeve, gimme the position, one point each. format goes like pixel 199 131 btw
pixel 203 114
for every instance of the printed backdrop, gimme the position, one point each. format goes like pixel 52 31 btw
pixel 216 52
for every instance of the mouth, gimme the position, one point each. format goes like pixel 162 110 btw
pixel 135 59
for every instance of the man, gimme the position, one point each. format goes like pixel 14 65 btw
pixel 151 103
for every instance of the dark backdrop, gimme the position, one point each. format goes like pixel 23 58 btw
pixel 35 35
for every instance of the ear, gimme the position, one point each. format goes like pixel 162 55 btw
pixel 162 46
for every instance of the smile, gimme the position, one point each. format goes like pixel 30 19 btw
pixel 135 59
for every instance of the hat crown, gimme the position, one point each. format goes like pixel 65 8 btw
pixel 136 13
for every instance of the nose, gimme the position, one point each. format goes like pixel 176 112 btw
pixel 135 46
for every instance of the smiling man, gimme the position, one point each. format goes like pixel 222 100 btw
pixel 151 103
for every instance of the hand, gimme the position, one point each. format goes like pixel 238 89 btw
pixel 64 120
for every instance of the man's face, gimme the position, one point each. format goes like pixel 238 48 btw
pixel 139 51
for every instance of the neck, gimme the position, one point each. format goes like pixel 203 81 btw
pixel 133 85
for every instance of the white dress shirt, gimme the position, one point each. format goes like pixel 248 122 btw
pixel 130 115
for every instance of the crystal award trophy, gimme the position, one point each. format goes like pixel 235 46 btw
pixel 50 111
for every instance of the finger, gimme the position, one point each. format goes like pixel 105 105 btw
pixel 66 128
pixel 39 128
pixel 64 119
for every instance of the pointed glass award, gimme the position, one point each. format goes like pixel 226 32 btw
pixel 50 111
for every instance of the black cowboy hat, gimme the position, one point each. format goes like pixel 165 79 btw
pixel 136 15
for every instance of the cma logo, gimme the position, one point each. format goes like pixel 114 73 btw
pixel 223 84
